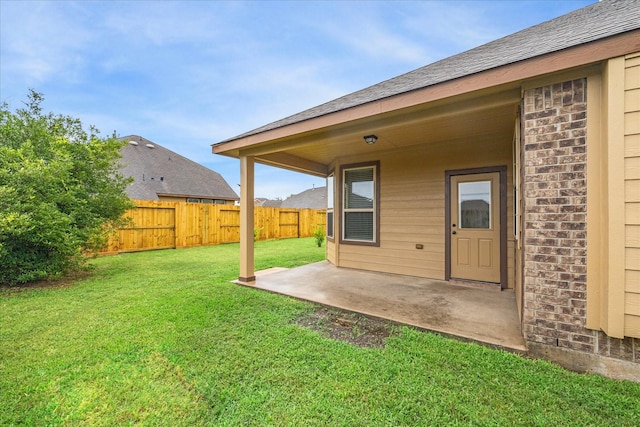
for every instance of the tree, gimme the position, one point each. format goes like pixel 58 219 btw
pixel 60 192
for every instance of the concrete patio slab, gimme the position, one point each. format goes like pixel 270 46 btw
pixel 486 316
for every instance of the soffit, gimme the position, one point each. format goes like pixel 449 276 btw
pixel 464 118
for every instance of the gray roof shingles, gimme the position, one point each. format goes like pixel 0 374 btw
pixel 158 170
pixel 597 21
pixel 313 198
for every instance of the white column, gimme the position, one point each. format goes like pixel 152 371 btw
pixel 247 273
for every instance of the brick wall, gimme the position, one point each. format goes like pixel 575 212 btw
pixel 554 188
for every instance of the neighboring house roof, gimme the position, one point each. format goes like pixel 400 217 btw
pixel 159 171
pixel 268 203
pixel 263 201
pixel 598 21
pixel 313 198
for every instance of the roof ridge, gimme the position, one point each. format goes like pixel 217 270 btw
pixel 168 172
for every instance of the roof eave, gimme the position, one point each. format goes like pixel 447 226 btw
pixel 199 196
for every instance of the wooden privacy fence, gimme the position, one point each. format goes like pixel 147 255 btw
pixel 162 225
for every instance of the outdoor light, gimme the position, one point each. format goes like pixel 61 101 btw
pixel 370 139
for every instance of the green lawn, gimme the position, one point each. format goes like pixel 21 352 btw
pixel 164 338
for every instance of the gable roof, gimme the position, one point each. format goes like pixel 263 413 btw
pixel 601 20
pixel 268 203
pixel 159 171
pixel 313 198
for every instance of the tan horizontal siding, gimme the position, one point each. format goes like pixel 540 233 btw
pixel 632 60
pixel 632 145
pixel 632 236
pixel 631 325
pixel 412 222
pixel 632 100
pixel 401 240
pixel 631 77
pixel 632 213
pixel 331 252
pixel 395 268
pixel 432 187
pixel 399 213
pixel 632 304
pixel 632 195
pixel 425 260
pixel 412 208
pixel 632 123
pixel 511 245
pixel 632 168
pixel 419 202
pixel 632 190
pixel 632 280
pixel 632 257
pixel 402 232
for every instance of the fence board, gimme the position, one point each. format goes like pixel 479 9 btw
pixel 162 225
pixel 229 225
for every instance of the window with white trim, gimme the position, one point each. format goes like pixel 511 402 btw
pixel 359 204
pixel 330 206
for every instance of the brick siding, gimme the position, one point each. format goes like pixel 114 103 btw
pixel 555 196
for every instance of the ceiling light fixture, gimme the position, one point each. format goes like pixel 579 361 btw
pixel 370 139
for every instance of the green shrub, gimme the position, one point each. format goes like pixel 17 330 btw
pixel 318 235
pixel 60 192
pixel 256 233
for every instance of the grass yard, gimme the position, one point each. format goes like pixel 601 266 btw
pixel 164 338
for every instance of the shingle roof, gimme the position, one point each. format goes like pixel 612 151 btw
pixel 313 198
pixel 597 21
pixel 268 203
pixel 157 170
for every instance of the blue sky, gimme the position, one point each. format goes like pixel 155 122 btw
pixel 186 74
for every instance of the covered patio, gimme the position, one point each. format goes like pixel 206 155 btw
pixel 484 315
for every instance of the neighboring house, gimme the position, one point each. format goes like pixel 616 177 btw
pixel 161 174
pixel 267 203
pixel 313 198
pixel 543 126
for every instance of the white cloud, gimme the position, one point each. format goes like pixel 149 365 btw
pixel 189 74
pixel 372 31
pixel 167 23
pixel 41 41
pixel 453 26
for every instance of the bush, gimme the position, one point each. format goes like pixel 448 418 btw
pixel 318 235
pixel 60 192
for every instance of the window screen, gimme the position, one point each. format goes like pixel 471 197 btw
pixel 330 206
pixel 359 204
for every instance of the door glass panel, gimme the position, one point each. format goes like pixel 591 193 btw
pixel 474 204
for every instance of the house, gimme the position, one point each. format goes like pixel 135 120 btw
pixel 516 164
pixel 312 198
pixel 161 174
pixel 267 203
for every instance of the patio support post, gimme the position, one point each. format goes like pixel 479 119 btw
pixel 247 273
